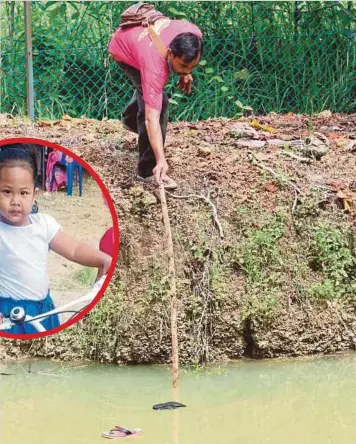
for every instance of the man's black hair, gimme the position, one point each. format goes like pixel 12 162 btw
pixel 187 45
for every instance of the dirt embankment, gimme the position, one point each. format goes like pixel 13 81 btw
pixel 280 283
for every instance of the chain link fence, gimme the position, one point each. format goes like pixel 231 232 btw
pixel 272 56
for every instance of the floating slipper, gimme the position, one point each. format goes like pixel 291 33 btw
pixel 121 432
pixel 113 434
pixel 168 406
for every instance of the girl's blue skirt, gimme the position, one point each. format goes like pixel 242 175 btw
pixel 32 308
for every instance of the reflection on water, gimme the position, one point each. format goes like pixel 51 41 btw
pixel 304 401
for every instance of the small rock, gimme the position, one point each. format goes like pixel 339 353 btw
pixel 272 187
pixel 205 151
pixel 263 344
pixel 352 185
pixel 90 137
pixel 351 147
pixel 316 144
pixel 325 114
pixel 266 135
pixel 286 137
pixel 243 130
pixel 336 184
pixel 273 115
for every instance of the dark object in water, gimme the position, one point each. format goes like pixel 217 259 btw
pixel 6 374
pixel 168 406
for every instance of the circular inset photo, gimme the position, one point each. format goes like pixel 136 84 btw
pixel 59 238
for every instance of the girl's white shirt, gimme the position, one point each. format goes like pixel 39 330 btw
pixel 24 258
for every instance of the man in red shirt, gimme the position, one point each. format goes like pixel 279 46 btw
pixel 148 69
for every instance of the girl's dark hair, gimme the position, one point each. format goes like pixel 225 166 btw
pixel 18 155
pixel 187 45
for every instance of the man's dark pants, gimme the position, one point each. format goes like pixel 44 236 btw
pixel 133 117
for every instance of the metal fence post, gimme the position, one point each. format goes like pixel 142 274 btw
pixel 29 62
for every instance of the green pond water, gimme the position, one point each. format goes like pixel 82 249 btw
pixel 300 401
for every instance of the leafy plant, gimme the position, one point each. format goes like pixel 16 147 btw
pixel 256 54
pixel 260 259
pixel 86 276
pixel 330 254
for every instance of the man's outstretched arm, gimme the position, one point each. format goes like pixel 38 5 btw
pixel 156 140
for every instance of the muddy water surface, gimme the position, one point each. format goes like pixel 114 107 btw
pixel 309 401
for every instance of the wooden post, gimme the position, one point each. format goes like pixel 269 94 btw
pixel 172 286
pixel 29 62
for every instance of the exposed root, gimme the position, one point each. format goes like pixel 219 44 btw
pixel 208 201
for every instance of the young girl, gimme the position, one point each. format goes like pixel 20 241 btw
pixel 25 240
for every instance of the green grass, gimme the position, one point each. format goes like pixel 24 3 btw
pixel 86 276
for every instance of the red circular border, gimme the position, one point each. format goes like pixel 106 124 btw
pixel 116 236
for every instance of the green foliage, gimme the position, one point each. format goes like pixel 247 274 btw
pixel 318 264
pixel 158 290
pixel 331 254
pixel 261 260
pixel 269 56
pixel 209 264
pixel 259 257
pixel 307 209
pixel 206 270
pixel 100 329
pixel 86 276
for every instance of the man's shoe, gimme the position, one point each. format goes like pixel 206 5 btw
pixel 148 179
pixel 170 184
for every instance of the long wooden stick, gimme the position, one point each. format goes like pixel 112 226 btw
pixel 172 286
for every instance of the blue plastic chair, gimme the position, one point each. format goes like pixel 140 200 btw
pixel 71 167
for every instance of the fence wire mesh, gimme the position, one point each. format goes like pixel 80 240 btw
pixel 272 56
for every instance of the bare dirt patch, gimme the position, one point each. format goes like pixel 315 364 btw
pixel 259 291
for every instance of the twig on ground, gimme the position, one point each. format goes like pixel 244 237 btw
pixel 208 201
pixel 317 187
pixel 295 201
pixel 297 191
pixel 294 156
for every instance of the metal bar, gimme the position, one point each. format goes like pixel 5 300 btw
pixel 43 158
pixel 296 18
pixel 29 62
